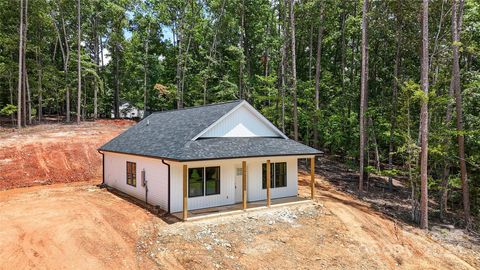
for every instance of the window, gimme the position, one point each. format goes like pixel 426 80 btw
pixel 203 181
pixel 278 175
pixel 212 180
pixel 195 182
pixel 132 173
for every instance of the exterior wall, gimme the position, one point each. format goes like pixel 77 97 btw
pixel 227 182
pixel 241 123
pixel 156 174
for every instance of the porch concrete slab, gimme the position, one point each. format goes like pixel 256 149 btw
pixel 233 209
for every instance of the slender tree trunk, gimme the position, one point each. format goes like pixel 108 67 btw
pixel 310 52
pixel 363 93
pixel 459 110
pixel 95 51
pixel 10 88
pixel 40 91
pixel 145 70
pixel 242 58
pixel 79 65
pixel 375 144
pixel 117 82
pixel 20 69
pixel 294 70
pixel 393 116
pixel 65 65
pixel 283 63
pixel 318 66
pixel 424 121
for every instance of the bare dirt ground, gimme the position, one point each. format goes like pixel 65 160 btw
pixel 54 153
pixel 78 225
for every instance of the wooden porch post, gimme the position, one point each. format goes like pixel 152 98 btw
pixel 268 183
pixel 312 177
pixel 185 208
pixel 244 184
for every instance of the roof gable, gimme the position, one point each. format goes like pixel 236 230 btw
pixel 241 121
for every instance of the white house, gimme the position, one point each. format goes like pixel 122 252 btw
pixel 127 110
pixel 203 157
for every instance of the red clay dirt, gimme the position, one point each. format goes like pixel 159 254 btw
pixel 54 153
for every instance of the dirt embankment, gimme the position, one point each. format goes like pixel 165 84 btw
pixel 54 153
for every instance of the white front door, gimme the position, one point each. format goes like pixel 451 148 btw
pixel 238 185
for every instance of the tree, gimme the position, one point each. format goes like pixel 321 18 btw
pixel 318 66
pixel 456 22
pixel 424 120
pixel 20 69
pixel 79 64
pixel 363 93
pixel 294 70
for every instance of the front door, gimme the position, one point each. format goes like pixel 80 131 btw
pixel 238 185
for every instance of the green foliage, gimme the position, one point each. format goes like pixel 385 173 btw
pixel 8 110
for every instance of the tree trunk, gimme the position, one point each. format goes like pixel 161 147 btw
pixel 363 94
pixel 310 52
pixel 393 116
pixel 145 70
pixel 20 70
pixel 242 59
pixel 459 111
pixel 375 145
pixel 79 65
pixel 424 120
pixel 318 66
pixel 294 70
pixel 283 62
pixel 95 51
pixel 117 82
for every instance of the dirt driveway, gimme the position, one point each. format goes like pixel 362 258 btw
pixel 69 227
pixel 78 226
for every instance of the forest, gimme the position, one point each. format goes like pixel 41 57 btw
pixel 389 87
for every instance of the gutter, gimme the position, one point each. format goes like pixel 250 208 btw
pixel 168 166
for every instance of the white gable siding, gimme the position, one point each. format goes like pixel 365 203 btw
pixel 241 123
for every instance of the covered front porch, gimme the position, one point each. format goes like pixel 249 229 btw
pixel 238 208
pixel 246 202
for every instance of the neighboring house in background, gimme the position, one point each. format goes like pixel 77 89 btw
pixel 128 111
pixel 203 157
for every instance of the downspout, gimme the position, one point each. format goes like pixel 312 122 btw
pixel 103 167
pixel 168 166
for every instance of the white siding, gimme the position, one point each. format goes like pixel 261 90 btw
pixel 241 123
pixel 156 175
pixel 227 182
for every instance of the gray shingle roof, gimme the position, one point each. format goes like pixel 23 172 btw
pixel 169 135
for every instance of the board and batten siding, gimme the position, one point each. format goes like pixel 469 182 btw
pixel 156 174
pixel 227 182
pixel 240 123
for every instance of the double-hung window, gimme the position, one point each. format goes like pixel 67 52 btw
pixel 278 175
pixel 131 173
pixel 203 181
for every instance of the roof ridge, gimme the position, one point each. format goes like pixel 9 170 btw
pixel 200 106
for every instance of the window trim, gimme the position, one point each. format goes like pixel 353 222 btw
pixel 204 169
pixel 131 177
pixel 273 175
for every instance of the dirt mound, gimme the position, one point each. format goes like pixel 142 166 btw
pixel 56 153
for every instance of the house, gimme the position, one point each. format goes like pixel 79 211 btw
pixel 202 157
pixel 127 110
